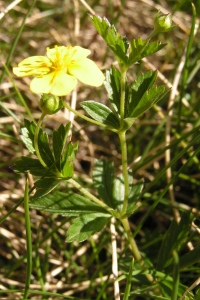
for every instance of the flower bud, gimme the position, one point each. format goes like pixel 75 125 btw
pixel 162 23
pixel 50 104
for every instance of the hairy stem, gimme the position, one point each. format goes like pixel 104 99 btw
pixel 122 97
pixel 122 137
pixel 134 248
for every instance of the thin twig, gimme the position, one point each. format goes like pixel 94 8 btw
pixel 87 6
pixel 197 282
pixel 9 7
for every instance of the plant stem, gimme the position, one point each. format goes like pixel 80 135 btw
pixel 36 140
pixel 91 197
pixel 134 247
pixel 122 137
pixel 122 96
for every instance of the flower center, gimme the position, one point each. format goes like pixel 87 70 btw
pixel 60 57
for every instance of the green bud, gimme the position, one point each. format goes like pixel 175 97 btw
pixel 162 23
pixel 50 104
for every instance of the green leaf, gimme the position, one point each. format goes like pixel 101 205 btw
pixel 86 225
pixel 165 283
pixel 59 162
pixel 68 204
pixel 101 113
pixel 142 48
pixel 133 197
pixel 197 296
pixel 173 239
pixel 128 122
pixel 113 87
pixel 109 188
pixel 117 43
pixel 67 161
pixel 103 177
pixel 190 258
pixel 118 192
pixel 137 46
pixel 128 281
pixel 149 98
pixel 59 140
pixel 139 87
pixel 27 164
pixel 45 186
pixel 44 148
pixel 28 131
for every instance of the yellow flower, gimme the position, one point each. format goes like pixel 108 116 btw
pixel 58 71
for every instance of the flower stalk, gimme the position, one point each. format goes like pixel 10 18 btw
pixel 36 139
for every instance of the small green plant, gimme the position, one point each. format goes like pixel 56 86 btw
pixel 111 196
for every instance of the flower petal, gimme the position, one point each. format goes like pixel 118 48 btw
pixel 55 83
pixel 87 72
pixel 57 55
pixel 33 65
pixel 79 53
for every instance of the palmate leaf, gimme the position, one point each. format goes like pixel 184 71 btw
pixel 30 165
pixel 59 161
pixel 59 140
pixel 91 217
pixel 142 84
pixel 101 113
pixel 44 148
pixel 45 186
pixel 28 131
pixel 143 95
pixel 27 136
pixel 113 87
pixel 111 188
pixel 68 204
pixel 67 160
pixel 142 48
pixel 117 43
pixel 103 178
pixel 86 225
pixel 149 98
